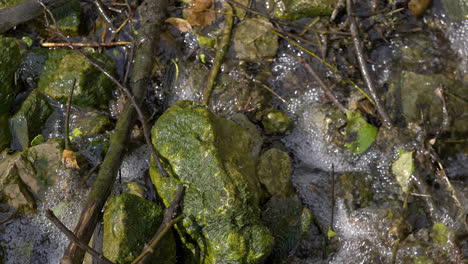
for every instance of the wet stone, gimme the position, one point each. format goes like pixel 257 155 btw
pixel 92 87
pixel 29 120
pixel 213 157
pixel 129 223
pixel 276 121
pixel 274 172
pixel 297 9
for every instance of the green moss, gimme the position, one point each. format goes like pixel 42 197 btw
pixel 30 118
pixel 213 157
pixel 297 9
pixel 68 18
pixel 11 59
pixel 440 233
pixel 129 223
pixel 274 172
pixel 92 87
pixel 8 3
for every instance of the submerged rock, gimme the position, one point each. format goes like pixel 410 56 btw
pixel 276 121
pixel 274 172
pixel 90 123
pixel 253 40
pixel 418 98
pixel 29 120
pixel 288 221
pixel 297 9
pixel 213 157
pixel 92 87
pixel 129 223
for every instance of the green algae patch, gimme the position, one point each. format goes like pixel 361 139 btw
pixel 129 223
pixel 11 60
pixel 359 134
pixel 30 118
pixel 92 87
pixel 440 233
pixel 276 121
pixel 213 157
pixel 9 3
pixel 68 18
pixel 297 9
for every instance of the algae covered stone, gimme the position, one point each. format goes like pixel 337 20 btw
pixel 276 121
pixel 129 223
pixel 253 40
pixel 11 59
pixel 92 87
pixel 297 9
pixel 274 172
pixel 213 157
pixel 29 120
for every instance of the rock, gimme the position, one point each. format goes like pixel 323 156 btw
pixel 8 3
pixel 68 18
pixel 257 139
pixel 274 172
pixel 90 123
pixel 253 40
pixel 14 191
pixel 276 121
pixel 129 223
pixel 456 9
pixel 418 98
pixel 212 156
pixel 297 9
pixel 92 87
pixel 29 120
pixel 285 219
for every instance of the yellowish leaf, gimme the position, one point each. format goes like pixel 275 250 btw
pixel 181 24
pixel 69 159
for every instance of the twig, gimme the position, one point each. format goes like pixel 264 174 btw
pixel 167 223
pixel 128 94
pixel 103 12
pixel 270 90
pixel 363 66
pixel 51 216
pixel 94 44
pixel 220 53
pixel 325 88
pixel 67 115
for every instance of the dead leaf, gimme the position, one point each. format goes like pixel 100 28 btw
pixel 197 15
pixel 69 159
pixel 181 24
pixel 418 7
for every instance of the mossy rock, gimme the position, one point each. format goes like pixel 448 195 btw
pixel 274 172
pixel 8 3
pixel 5 135
pixel 68 18
pixel 297 9
pixel 29 120
pixel 213 157
pixel 276 121
pixel 11 59
pixel 129 224
pixel 90 123
pixel 254 40
pixel 92 87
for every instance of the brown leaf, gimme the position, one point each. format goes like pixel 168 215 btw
pixel 69 159
pixel 418 7
pixel 197 14
pixel 181 24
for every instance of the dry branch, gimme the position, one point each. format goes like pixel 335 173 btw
pixel 363 66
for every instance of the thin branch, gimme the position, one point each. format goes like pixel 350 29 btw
pixel 363 66
pixel 220 53
pixel 328 92
pixel 167 223
pixel 94 44
pixel 51 216
pixel 103 12
pixel 67 115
